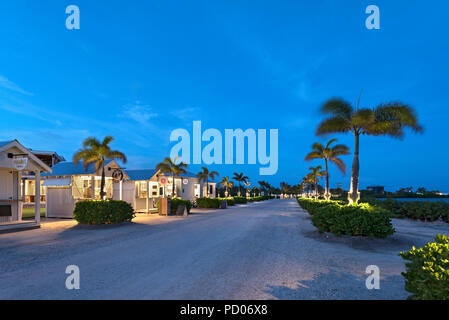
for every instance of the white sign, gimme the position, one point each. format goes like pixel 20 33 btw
pixel 20 163
pixel 185 181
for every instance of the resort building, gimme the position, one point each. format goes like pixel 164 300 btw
pixel 50 158
pixel 143 188
pixel 16 161
pixel 69 183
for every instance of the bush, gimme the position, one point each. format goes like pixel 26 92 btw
pixel 103 212
pixel 240 200
pixel 230 201
pixel 418 210
pixel 175 202
pixel 213 203
pixel 311 205
pixel 427 273
pixel 354 220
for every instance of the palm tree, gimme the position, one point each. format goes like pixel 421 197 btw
pixel 226 183
pixel 315 175
pixel 96 152
pixel 331 154
pixel 206 175
pixel 169 166
pixel 386 119
pixel 239 177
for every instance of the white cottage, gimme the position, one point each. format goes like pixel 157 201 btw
pixel 16 160
pixel 69 183
pixel 143 188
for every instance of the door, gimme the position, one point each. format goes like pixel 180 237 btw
pixel 60 203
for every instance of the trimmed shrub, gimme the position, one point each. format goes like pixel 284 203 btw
pixel 103 212
pixel 311 205
pixel 417 210
pixel 427 273
pixel 230 201
pixel 175 202
pixel 240 200
pixel 213 203
pixel 353 220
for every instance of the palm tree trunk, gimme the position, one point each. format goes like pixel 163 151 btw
pixel 327 195
pixel 103 179
pixel 207 187
pixel 173 186
pixel 353 195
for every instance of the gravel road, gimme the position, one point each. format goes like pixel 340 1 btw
pixel 266 250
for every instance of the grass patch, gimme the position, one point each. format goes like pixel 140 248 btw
pixel 29 212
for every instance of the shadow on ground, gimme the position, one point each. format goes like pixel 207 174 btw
pixel 340 286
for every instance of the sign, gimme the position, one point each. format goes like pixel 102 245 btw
pixel 185 181
pixel 20 163
pixel 163 181
pixel 117 174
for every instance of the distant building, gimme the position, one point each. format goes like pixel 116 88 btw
pixel 376 189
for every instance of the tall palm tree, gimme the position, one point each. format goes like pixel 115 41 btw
pixel 315 175
pixel 331 154
pixel 170 166
pixel 386 119
pixel 204 174
pixel 96 152
pixel 226 183
pixel 240 177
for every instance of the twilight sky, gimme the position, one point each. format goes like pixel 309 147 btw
pixel 139 69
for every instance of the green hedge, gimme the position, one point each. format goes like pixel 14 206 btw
pixel 230 201
pixel 213 203
pixel 354 220
pixel 311 205
pixel 240 200
pixel 427 273
pixel 103 212
pixel 418 210
pixel 175 202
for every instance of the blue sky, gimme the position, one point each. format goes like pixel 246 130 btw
pixel 139 69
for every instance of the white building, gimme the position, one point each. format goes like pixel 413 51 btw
pixel 16 160
pixel 143 188
pixel 69 183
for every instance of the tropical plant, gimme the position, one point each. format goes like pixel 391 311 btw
pixel 328 153
pixel 171 167
pixel 96 152
pixel 205 175
pixel 386 119
pixel 227 184
pixel 240 178
pixel 315 175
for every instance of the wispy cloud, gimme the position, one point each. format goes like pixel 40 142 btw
pixel 9 85
pixel 139 112
pixel 186 113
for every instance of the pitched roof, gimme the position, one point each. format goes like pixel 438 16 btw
pixel 4 143
pixel 69 168
pixel 143 174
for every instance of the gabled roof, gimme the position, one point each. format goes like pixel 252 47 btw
pixel 71 169
pixel 147 174
pixel 142 174
pixel 4 145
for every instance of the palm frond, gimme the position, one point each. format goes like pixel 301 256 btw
pixel 333 125
pixel 339 163
pixel 114 154
pixel 337 108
